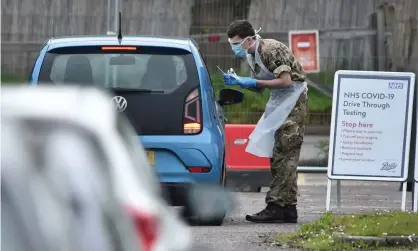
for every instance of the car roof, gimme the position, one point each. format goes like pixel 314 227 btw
pixel 84 106
pixel 108 38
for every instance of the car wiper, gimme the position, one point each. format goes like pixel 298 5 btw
pixel 117 89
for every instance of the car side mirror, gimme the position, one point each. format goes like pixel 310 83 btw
pixel 228 96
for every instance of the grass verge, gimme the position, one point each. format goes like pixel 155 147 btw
pixel 321 234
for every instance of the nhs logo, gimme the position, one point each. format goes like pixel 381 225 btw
pixel 395 85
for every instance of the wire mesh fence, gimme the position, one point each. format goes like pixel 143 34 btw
pixel 350 37
pixel 348 30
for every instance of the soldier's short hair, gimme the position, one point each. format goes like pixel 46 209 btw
pixel 241 28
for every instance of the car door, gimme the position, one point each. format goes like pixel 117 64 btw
pixel 216 109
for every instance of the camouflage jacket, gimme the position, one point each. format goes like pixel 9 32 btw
pixel 278 58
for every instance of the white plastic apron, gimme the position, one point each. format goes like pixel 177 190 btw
pixel 280 104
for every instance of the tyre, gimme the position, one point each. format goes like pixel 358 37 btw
pixel 192 220
pixel 215 222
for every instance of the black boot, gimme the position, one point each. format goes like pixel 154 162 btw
pixel 290 214
pixel 275 214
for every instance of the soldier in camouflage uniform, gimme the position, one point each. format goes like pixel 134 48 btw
pixel 281 199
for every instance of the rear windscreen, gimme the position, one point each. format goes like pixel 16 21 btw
pixel 154 68
pixel 150 84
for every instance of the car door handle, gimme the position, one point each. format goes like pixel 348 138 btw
pixel 240 141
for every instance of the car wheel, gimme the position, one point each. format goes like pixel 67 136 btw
pixel 214 222
pixel 194 221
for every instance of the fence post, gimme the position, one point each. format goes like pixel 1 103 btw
pixel 380 38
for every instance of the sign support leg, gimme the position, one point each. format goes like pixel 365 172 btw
pixel 404 185
pixel 415 197
pixel 328 199
pixel 339 194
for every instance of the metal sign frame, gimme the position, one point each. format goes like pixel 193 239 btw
pixel 415 194
pixel 410 77
pixel 415 179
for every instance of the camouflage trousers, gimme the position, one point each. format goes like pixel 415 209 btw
pixel 286 151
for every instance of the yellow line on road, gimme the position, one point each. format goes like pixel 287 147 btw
pixel 301 179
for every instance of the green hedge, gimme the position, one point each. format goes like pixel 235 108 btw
pixel 250 110
pixel 8 79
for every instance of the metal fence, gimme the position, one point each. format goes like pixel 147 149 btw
pixel 349 30
pixel 352 48
pixel 354 34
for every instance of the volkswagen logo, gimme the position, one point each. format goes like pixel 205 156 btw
pixel 120 103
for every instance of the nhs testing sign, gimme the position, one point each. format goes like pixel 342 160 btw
pixel 371 125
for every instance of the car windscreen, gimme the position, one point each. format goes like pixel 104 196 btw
pixel 153 68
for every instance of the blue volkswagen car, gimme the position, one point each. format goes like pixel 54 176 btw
pixel 164 88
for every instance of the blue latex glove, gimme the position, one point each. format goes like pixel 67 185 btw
pixel 247 82
pixel 229 80
pixel 244 82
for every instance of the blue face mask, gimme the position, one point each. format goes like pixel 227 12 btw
pixel 238 51
pixel 236 46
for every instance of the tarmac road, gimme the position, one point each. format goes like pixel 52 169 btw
pixel 238 234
